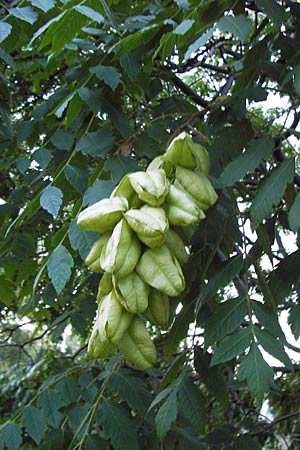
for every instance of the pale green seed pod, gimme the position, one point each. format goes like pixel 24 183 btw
pixel 181 208
pixel 149 223
pixel 136 345
pixel 103 215
pixel 160 269
pixel 113 319
pixel 202 158
pixel 197 186
pixel 151 187
pixel 159 163
pixel 179 151
pixel 93 258
pixel 132 292
pixel 105 286
pixel 122 251
pixel 176 246
pixel 124 189
pixel 97 348
pixel 158 308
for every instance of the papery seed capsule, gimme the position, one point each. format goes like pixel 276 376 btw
pixel 176 246
pixel 158 308
pixel 198 187
pixel 159 268
pixel 93 258
pixel 149 223
pixel 122 250
pixel 132 292
pixel 136 345
pixel 113 319
pixel 181 209
pixel 124 189
pixel 202 158
pixel 103 215
pixel 97 348
pixel 179 151
pixel 152 187
pixel 105 286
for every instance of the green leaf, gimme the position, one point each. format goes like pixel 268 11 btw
pixel 59 267
pixel 97 143
pixel 173 370
pixel 232 346
pixel 132 389
pixel 81 240
pixel 135 40
pixel 222 277
pixel 271 191
pixel 63 30
pixel 200 42
pixel 98 191
pixel 92 97
pixel 272 10
pixel 63 139
pixel 212 377
pixel 51 200
pixel 268 319
pixel 33 421
pixel 294 214
pixel 117 426
pixel 5 30
pixel 12 436
pixel 184 26
pixel 120 166
pixel 49 403
pixel 95 443
pixel 129 63
pixel 118 118
pixel 109 74
pixel 179 328
pixel 256 151
pixel 256 371
pixel 284 277
pixel 166 415
pixel 161 395
pixel 25 13
pixel 227 316
pixel 239 26
pixel 192 404
pixel 23 164
pixel 294 320
pixel 68 391
pixel 273 346
pixel 43 157
pixel 90 13
pixel 77 177
pixel 44 5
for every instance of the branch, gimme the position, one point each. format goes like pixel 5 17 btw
pixel 185 89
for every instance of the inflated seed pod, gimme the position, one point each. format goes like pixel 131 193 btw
pixel 198 186
pixel 202 158
pixel 103 215
pixel 97 348
pixel 179 151
pixel 136 345
pixel 149 223
pixel 158 308
pixel 93 258
pixel 124 189
pixel 151 187
pixel 113 320
pixel 159 268
pixel 159 163
pixel 181 209
pixel 132 292
pixel 105 286
pixel 176 246
pixel 122 250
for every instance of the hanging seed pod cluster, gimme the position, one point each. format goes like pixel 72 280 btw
pixel 143 246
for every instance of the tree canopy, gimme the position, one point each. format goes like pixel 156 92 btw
pixel 94 90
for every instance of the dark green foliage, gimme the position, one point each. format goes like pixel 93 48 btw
pixel 90 91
